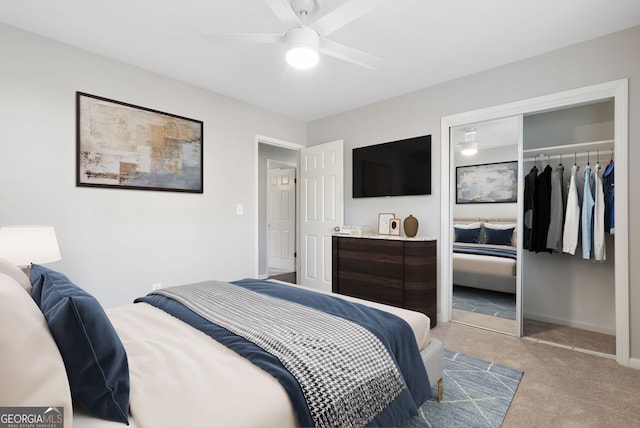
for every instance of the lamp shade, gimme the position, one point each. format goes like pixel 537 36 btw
pixel 23 245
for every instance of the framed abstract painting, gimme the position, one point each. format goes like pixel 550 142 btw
pixel 487 183
pixel 121 145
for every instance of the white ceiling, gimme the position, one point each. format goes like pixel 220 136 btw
pixel 422 42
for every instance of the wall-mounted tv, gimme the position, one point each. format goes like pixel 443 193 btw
pixel 397 168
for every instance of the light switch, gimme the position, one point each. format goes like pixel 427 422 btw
pixel 239 209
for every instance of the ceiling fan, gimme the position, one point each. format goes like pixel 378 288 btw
pixel 306 39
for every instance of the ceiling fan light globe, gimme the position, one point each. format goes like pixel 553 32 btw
pixel 303 48
pixel 302 57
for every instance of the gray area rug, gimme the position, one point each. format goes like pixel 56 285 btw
pixel 485 302
pixel 477 394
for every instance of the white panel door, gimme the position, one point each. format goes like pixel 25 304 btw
pixel 322 209
pixel 281 192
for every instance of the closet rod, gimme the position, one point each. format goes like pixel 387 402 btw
pixel 567 149
pixel 605 156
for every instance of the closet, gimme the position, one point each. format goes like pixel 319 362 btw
pixel 567 299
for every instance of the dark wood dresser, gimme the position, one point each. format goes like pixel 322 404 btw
pixel 395 271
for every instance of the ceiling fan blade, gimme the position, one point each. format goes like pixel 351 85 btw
pixel 283 11
pixel 349 54
pixel 244 38
pixel 342 15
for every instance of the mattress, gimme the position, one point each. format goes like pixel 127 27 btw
pixel 482 264
pixel 242 394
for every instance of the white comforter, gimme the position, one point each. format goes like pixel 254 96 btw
pixel 181 377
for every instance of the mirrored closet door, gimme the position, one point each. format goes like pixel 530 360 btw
pixel 559 294
pixel 485 227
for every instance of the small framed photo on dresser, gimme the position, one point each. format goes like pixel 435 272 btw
pixel 394 227
pixel 384 220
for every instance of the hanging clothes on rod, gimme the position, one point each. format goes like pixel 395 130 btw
pixel 599 246
pixel 572 215
pixel 561 218
pixel 529 202
pixel 556 210
pixel 541 211
pixel 609 196
pixel 587 213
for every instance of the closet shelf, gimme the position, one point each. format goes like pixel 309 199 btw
pixel 593 146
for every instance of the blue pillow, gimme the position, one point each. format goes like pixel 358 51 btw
pixel 498 236
pixel 93 354
pixel 469 236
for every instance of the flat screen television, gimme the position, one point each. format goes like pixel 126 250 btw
pixel 397 168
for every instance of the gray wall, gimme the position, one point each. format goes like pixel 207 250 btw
pixel 116 243
pixel 608 58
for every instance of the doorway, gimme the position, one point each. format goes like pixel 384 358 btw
pixel 281 220
pixel 568 290
pixel 319 206
pixel 616 91
pixel 276 249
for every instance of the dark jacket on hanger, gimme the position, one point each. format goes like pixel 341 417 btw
pixel 541 211
pixel 529 192
pixel 609 196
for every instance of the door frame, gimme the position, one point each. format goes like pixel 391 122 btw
pixel 616 90
pixel 261 139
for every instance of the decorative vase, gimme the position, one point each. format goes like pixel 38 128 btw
pixel 410 226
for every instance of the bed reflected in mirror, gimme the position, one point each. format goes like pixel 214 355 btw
pixel 484 232
pixel 484 273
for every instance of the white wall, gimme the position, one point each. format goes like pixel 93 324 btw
pixel 116 243
pixel 605 59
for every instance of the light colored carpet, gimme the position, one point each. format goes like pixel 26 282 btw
pixel 560 387
pixel 570 336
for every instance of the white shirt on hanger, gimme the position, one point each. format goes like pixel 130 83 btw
pixel 572 216
pixel 587 214
pixel 599 247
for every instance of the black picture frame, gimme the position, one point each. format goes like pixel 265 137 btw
pixel 487 183
pixel 125 146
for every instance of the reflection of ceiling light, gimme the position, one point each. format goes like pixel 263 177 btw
pixel 303 48
pixel 470 148
pixel 470 145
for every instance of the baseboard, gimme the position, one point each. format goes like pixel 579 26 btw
pixel 263 276
pixel 570 323
pixel 634 363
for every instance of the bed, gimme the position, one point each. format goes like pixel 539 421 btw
pixel 485 254
pixel 149 368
